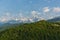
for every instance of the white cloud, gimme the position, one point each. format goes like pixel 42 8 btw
pixel 46 9
pixel 35 14
pixel 56 9
pixel 6 17
pixel 31 20
pixel 16 19
pixel 41 18
pixel 3 19
pixel 24 19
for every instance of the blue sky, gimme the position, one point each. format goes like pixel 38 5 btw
pixel 44 9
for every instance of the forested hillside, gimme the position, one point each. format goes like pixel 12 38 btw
pixel 41 30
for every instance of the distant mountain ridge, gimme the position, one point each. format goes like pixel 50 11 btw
pixel 20 21
pixel 56 19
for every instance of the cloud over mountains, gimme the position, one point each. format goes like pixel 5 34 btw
pixel 49 13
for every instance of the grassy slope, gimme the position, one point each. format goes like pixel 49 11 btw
pixel 41 30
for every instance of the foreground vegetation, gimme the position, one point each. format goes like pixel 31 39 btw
pixel 41 30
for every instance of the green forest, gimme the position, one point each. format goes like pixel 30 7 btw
pixel 41 30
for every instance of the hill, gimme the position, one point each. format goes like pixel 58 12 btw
pixel 56 19
pixel 41 30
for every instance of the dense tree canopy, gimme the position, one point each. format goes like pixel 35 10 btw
pixel 41 30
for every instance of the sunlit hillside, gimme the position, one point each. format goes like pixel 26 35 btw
pixel 41 30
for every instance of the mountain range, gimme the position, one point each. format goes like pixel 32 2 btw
pixel 56 19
